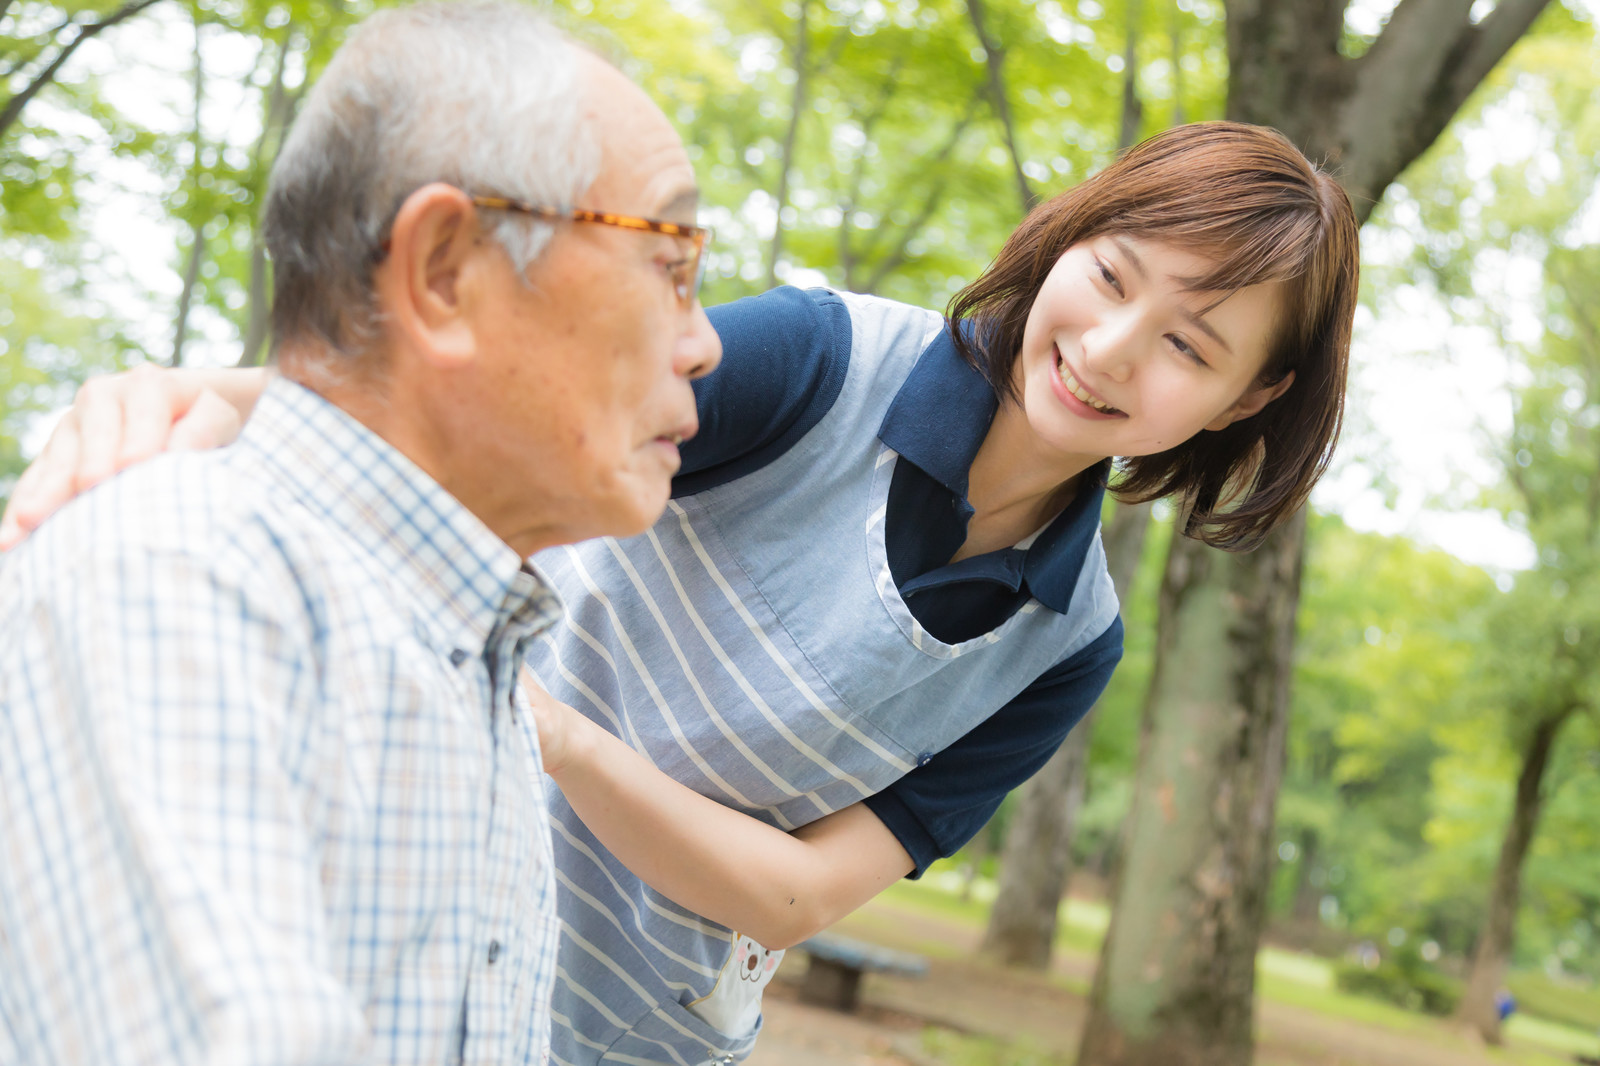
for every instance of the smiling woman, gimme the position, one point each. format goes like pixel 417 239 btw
pixel 1263 232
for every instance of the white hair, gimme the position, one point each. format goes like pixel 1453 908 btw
pixel 481 95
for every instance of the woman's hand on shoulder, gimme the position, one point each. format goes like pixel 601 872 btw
pixel 118 420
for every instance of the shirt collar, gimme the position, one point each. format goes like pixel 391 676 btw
pixel 463 578
pixel 938 420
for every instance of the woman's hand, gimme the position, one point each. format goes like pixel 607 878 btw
pixel 121 419
pixel 560 727
pixel 777 888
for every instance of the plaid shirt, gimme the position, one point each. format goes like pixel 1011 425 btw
pixel 267 790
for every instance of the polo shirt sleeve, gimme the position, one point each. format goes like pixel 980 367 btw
pixel 940 805
pixel 784 357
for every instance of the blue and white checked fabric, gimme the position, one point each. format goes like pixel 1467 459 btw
pixel 267 790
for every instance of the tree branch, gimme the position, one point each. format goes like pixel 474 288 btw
pixel 1491 39
pixel 14 106
pixel 1414 79
pixel 993 57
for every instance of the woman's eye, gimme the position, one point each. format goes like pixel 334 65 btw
pixel 1108 277
pixel 1184 349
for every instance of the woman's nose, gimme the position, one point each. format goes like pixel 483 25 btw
pixel 1112 346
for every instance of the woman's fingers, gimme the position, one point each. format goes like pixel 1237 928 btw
pixel 115 421
pixel 45 485
pixel 97 415
pixel 210 422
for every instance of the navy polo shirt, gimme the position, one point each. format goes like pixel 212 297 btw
pixel 785 355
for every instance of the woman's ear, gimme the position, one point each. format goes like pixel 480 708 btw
pixel 1253 400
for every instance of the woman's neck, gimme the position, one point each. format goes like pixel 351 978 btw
pixel 1015 485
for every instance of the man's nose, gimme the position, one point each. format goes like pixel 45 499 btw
pixel 699 349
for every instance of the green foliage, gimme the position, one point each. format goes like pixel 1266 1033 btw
pixel 1404 980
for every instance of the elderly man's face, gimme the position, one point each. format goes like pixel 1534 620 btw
pixel 596 353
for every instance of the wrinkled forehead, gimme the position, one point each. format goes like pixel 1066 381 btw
pixel 644 166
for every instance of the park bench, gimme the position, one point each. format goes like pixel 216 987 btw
pixel 833 978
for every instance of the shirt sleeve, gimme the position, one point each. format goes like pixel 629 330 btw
pixel 784 357
pixel 160 898
pixel 940 805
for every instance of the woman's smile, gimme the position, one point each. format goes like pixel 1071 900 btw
pixel 1075 390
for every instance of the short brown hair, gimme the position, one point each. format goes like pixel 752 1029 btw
pixel 1246 197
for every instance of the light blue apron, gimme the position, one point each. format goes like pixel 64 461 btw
pixel 754 647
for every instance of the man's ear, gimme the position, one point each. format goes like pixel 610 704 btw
pixel 1254 399
pixel 419 284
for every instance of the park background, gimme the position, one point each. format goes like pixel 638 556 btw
pixel 1371 789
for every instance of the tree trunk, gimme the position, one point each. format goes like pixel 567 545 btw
pixel 797 106
pixel 1132 106
pixel 1036 861
pixel 1307 896
pixel 1477 1008
pixel 197 226
pixel 1176 978
pixel 279 113
pixel 1175 983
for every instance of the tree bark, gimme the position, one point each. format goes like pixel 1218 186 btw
pixel 1036 861
pixel 1477 1008
pixel 1175 983
pixel 1176 979
pixel 13 109
pixel 797 106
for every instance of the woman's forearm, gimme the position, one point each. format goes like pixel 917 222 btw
pixel 775 887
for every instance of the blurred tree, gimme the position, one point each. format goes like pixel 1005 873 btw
pixel 1176 977
pixel 1546 647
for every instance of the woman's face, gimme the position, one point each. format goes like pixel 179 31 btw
pixel 1119 358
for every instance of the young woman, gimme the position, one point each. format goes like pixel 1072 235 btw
pixel 877 601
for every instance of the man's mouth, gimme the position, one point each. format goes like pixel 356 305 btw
pixel 1074 386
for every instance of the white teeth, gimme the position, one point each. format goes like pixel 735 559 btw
pixel 1075 387
pixel 675 438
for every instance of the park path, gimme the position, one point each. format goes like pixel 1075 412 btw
pixel 967 995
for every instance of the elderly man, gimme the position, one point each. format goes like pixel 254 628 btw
pixel 266 793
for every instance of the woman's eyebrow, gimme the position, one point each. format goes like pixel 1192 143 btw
pixel 1205 327
pixel 1193 317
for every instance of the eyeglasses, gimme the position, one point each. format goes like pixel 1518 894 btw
pixel 686 274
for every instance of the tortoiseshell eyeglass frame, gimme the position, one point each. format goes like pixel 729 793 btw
pixel 686 274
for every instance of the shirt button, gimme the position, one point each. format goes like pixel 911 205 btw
pixel 925 758
pixel 494 951
pixel 458 657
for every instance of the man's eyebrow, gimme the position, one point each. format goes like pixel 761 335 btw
pixel 1194 318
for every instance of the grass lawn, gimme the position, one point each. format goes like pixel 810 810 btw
pixel 1291 978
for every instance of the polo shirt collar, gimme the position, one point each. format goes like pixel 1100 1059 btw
pixel 938 420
